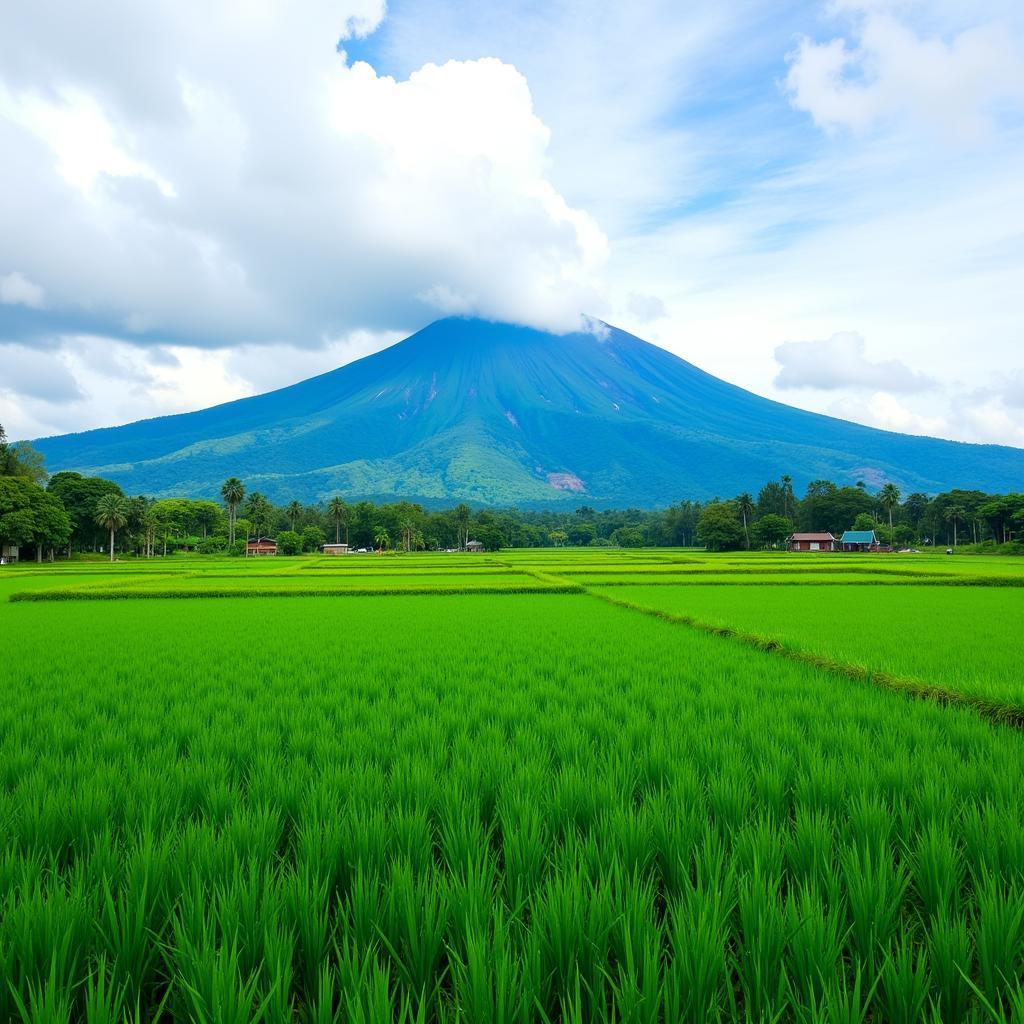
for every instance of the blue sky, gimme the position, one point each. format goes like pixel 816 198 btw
pixel 822 202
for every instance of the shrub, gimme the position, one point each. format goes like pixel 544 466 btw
pixel 211 545
pixel 313 538
pixel 289 543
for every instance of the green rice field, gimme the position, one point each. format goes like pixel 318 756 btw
pixel 537 786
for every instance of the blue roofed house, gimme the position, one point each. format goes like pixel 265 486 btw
pixel 859 540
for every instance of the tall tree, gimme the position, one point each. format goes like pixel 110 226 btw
pixel 232 491
pixel 954 514
pixel 79 495
pixel 294 513
pixel 338 511
pixel 111 513
pixel 719 526
pixel 787 489
pixel 745 503
pixel 206 514
pixel 889 496
pixel 462 514
pixel 259 512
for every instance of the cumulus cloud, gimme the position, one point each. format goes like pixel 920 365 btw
pixel 36 374
pixel 841 362
pixel 888 412
pixel 220 174
pixel 1013 390
pixel 17 290
pixel 645 307
pixel 885 71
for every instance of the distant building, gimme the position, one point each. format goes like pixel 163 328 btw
pixel 474 545
pixel 260 546
pixel 859 540
pixel 812 542
pixel 334 549
pixel 8 553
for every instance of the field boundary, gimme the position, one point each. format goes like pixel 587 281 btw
pixel 810 581
pixel 222 592
pixel 921 689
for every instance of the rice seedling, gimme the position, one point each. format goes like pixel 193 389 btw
pixel 485 806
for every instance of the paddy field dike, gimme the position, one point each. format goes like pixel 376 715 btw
pixel 531 786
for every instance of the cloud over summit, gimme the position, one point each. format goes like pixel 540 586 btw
pixel 235 179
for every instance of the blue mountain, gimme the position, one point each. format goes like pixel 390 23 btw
pixel 498 414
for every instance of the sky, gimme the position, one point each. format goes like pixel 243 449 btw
pixel 822 202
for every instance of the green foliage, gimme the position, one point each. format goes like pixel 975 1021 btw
pixel 771 530
pixel 289 543
pixel 30 515
pixel 313 538
pixel 79 495
pixel 719 527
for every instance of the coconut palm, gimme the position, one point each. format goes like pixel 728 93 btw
pixel 293 512
pixel 462 514
pixel 259 512
pixel 789 499
pixel 338 511
pixel 112 513
pixel 745 503
pixel 889 496
pixel 381 539
pixel 233 491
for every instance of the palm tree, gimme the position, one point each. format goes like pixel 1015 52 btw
pixel 293 512
pixel 381 539
pixel 111 513
pixel 462 514
pixel 338 511
pixel 788 497
pixel 889 496
pixel 954 513
pixel 259 512
pixel 233 491
pixel 745 503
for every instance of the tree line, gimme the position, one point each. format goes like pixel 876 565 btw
pixel 951 518
pixel 72 512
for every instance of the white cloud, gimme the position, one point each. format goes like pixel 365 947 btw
pixel 646 307
pixel 841 362
pixel 17 290
pixel 244 183
pixel 1013 389
pixel 36 374
pixel 889 73
pixel 886 411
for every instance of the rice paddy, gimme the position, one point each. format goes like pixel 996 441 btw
pixel 472 788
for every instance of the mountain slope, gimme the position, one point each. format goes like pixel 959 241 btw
pixel 497 414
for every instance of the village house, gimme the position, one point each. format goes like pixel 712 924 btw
pixel 260 546
pixel 8 553
pixel 334 549
pixel 474 545
pixel 859 540
pixel 812 542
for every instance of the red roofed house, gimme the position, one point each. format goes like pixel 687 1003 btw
pixel 260 546
pixel 812 542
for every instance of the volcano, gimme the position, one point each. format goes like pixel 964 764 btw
pixel 495 414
